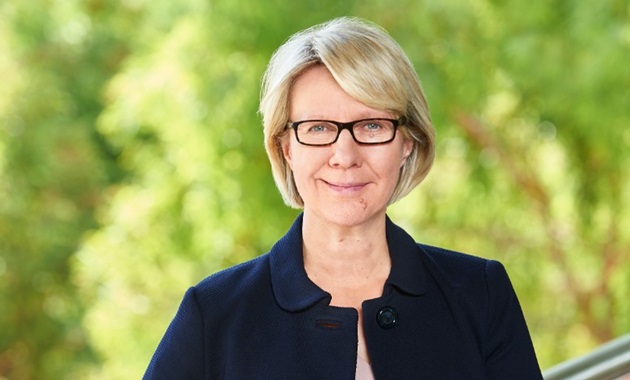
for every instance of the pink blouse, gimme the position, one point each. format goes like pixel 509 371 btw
pixel 364 370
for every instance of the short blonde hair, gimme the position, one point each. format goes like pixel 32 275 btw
pixel 370 67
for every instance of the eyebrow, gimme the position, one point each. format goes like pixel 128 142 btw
pixel 360 116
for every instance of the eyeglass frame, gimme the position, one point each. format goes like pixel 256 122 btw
pixel 349 126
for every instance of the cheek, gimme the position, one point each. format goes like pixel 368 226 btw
pixel 301 161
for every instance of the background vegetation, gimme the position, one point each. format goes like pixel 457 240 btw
pixel 132 164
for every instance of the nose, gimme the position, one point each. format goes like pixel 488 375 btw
pixel 345 152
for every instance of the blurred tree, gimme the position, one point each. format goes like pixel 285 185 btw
pixel 137 122
pixel 53 170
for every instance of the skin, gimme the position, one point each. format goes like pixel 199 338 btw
pixel 346 188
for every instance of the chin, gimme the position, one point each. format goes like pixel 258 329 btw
pixel 349 215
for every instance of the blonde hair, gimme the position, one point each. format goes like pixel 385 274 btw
pixel 370 67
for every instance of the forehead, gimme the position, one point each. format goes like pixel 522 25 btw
pixel 315 94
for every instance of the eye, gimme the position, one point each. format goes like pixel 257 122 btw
pixel 317 128
pixel 372 126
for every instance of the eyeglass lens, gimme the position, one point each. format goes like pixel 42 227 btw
pixel 323 132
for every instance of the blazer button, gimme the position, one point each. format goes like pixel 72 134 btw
pixel 386 317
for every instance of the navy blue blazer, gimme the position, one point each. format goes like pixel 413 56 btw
pixel 442 315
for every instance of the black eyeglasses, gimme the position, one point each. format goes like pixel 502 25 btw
pixel 364 131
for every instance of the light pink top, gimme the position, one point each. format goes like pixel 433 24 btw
pixel 364 370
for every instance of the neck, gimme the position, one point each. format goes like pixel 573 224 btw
pixel 345 254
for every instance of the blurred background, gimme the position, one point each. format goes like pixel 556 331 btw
pixel 132 163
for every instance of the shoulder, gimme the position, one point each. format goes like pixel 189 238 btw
pixel 456 274
pixel 453 260
pixel 239 282
pixel 471 277
pixel 485 305
pixel 209 315
pixel 459 266
pixel 479 288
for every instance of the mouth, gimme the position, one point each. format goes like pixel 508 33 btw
pixel 349 187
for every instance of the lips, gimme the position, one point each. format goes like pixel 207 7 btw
pixel 346 186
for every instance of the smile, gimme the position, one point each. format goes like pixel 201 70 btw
pixel 346 187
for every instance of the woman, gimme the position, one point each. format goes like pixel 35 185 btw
pixel 346 293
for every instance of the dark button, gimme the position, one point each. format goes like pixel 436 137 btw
pixel 386 317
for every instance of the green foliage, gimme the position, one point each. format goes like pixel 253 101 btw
pixel 132 164
pixel 51 175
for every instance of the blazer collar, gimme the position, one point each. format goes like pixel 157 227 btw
pixel 408 273
pixel 294 291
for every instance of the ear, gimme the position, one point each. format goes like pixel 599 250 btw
pixel 407 149
pixel 285 145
